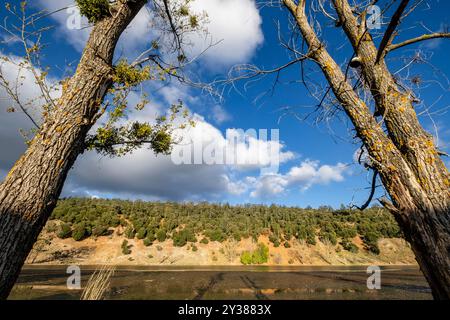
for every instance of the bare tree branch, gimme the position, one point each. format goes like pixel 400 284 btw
pixel 424 37
pixel 390 32
pixel 372 192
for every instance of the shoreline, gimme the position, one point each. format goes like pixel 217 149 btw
pixel 202 267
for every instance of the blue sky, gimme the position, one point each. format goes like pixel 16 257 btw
pixel 319 168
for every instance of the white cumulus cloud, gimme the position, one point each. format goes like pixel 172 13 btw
pixel 12 143
pixel 304 176
pixel 235 25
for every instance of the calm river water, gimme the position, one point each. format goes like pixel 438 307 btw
pixel 49 282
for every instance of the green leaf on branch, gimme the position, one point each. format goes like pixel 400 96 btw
pixel 116 140
pixel 130 76
pixel 94 10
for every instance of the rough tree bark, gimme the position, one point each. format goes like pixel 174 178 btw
pixel 406 157
pixel 30 192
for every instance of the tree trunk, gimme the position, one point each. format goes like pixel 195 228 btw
pixel 428 233
pixel 406 158
pixel 425 219
pixel 30 192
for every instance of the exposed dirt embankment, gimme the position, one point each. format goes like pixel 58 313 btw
pixel 107 250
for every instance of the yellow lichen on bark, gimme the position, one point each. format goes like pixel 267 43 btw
pixel 60 163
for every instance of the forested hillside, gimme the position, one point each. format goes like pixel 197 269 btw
pixel 191 223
